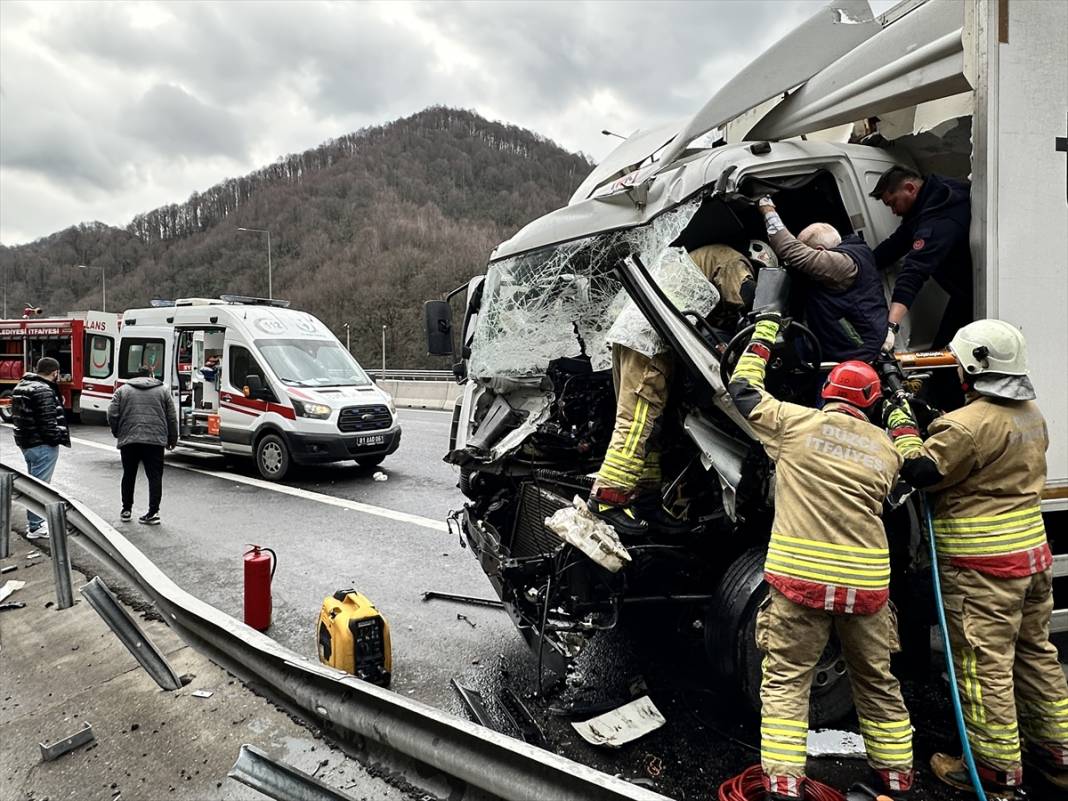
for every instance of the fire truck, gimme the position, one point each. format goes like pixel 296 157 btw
pixel 82 342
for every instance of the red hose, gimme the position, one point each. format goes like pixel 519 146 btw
pixel 749 786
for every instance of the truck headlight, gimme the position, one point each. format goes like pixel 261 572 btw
pixel 316 411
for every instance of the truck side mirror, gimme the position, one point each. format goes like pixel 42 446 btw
pixel 438 315
pixel 254 388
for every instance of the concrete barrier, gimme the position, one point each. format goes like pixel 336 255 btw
pixel 422 394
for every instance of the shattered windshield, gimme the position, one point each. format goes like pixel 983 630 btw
pixel 562 301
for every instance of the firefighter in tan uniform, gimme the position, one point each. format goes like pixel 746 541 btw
pixel 985 464
pixel 828 565
pixel 626 490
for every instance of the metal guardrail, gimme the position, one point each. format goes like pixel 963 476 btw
pixel 412 375
pixel 498 764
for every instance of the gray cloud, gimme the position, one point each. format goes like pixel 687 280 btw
pixel 121 107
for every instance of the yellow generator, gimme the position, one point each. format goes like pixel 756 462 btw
pixel 354 637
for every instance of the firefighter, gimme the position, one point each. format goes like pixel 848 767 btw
pixel 626 492
pixel 828 564
pixel 985 464
pixel 845 305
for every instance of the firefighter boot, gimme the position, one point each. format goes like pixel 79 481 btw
pixel 621 517
pixel 952 771
pixel 650 508
pixel 1044 761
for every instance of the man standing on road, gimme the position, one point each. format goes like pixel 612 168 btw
pixel 986 462
pixel 845 306
pixel 40 428
pixel 935 214
pixel 143 419
pixel 828 565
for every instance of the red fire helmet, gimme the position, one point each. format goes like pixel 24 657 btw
pixel 853 382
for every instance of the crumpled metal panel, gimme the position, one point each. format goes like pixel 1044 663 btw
pixel 637 148
pixel 918 58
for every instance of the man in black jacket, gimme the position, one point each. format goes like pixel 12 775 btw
pixel 935 217
pixel 40 428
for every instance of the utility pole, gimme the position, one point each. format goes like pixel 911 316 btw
pixel 103 285
pixel 270 287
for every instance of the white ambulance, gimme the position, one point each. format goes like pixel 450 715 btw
pixel 251 377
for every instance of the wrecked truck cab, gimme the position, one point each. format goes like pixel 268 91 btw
pixel 533 423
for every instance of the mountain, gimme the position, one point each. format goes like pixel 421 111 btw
pixel 364 228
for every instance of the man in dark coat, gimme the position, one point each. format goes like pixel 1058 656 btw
pixel 143 419
pixel 40 428
pixel 935 217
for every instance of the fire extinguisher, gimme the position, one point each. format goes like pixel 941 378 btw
pixel 259 571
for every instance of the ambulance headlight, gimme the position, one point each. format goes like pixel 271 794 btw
pixel 316 411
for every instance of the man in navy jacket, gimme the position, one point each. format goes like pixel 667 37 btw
pixel 935 216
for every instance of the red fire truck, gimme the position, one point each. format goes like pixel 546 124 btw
pixel 82 342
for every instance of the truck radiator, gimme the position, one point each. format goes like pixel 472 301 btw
pixel 530 537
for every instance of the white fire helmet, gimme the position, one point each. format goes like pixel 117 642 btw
pixel 761 254
pixel 990 346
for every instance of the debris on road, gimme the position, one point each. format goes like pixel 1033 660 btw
pixel 835 743
pixel 60 747
pixel 466 620
pixel 34 554
pixel 9 587
pixel 202 693
pixel 9 568
pixel 474 704
pixel 12 605
pixel 623 725
pixel 380 476
pixel 431 595
pixel 576 526
pixel 521 718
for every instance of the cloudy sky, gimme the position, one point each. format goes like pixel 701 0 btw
pixel 110 109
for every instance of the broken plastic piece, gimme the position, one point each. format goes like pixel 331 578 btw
pixel 575 525
pixel 202 693
pixel 60 747
pixel 621 726
pixel 835 743
pixel 380 476
pixel 9 587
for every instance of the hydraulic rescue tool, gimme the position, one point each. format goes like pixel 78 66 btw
pixel 354 637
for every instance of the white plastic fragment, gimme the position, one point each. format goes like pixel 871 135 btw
pixel 835 743
pixel 202 693
pixel 623 725
pixel 576 526
pixel 9 587
pixel 380 476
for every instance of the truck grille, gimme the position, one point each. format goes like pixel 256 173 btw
pixel 530 537
pixel 364 418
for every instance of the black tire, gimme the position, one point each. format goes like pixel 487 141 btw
pixel 466 474
pixel 730 640
pixel 5 411
pixel 272 457
pixel 370 461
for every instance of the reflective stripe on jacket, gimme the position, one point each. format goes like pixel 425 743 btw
pixel 991 454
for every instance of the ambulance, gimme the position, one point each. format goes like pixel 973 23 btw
pixel 84 345
pixel 251 377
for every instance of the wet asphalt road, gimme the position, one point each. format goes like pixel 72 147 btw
pixel 209 517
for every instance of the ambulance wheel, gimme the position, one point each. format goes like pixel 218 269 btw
pixel 730 640
pixel 5 411
pixel 272 457
pixel 371 461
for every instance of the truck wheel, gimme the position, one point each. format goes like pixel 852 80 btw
pixel 5 411
pixel 466 474
pixel 730 640
pixel 370 461
pixel 272 457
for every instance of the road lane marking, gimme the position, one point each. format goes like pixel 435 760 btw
pixel 296 492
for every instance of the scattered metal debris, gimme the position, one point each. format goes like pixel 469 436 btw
pixel 60 747
pixel 835 743
pixel 623 725
pixel 466 620
pixel 431 595
pixel 34 554
pixel 142 649
pixel 12 605
pixel 202 693
pixel 520 717
pixel 474 704
pixel 9 568
pixel 281 781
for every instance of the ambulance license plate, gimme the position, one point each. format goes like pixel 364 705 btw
pixel 370 440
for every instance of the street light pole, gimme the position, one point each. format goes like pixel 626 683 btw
pixel 270 287
pixel 383 350
pixel 348 345
pixel 103 284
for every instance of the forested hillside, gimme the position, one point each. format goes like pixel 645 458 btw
pixel 363 229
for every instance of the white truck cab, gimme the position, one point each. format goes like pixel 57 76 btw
pixel 251 377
